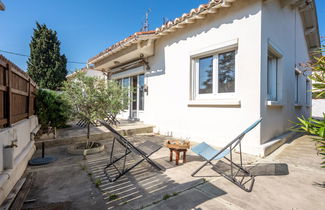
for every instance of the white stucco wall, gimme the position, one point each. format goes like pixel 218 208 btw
pixel 318 108
pixel 282 27
pixel 167 103
pixel 95 73
pixel 20 131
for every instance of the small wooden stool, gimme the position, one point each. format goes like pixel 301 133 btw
pixel 177 151
pixel 177 146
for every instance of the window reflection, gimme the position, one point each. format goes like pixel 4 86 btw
pixel 226 72
pixel 205 75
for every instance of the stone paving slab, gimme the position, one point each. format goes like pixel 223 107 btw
pixel 71 179
pixel 298 190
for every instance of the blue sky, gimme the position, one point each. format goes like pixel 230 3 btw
pixel 87 27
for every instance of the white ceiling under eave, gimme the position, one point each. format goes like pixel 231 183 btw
pixel 310 22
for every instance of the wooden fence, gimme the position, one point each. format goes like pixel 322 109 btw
pixel 17 94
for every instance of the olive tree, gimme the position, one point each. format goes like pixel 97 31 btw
pixel 93 98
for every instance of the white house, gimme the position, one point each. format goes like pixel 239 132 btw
pixel 90 72
pixel 212 72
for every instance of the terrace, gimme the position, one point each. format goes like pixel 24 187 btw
pixel 74 183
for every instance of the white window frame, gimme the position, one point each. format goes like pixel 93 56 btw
pixel 297 85
pixel 215 74
pixel 308 92
pixel 278 54
pixel 272 77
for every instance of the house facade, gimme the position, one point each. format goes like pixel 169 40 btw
pixel 208 75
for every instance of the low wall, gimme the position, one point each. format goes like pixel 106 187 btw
pixel 20 134
pixel 318 107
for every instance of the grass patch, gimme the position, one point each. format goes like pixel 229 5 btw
pixel 114 197
pixel 166 196
pixel 98 182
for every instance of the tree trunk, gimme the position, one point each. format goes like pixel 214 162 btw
pixel 88 130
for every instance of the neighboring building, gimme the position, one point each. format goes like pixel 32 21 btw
pixel 89 72
pixel 2 6
pixel 318 108
pixel 211 73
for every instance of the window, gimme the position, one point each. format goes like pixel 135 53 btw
pixel 226 72
pixel 308 92
pixel 205 75
pixel 141 92
pixel 272 77
pixel 119 82
pixel 297 87
pixel 215 74
pixel 126 84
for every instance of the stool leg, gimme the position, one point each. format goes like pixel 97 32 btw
pixel 177 157
pixel 171 155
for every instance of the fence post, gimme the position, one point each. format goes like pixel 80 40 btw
pixel 29 99
pixel 9 107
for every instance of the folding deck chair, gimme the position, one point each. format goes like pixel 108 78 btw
pixel 144 150
pixel 210 154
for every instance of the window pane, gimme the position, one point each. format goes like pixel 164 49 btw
pixel 119 81
pixel 135 92
pixel 308 92
pixel 141 92
pixel 226 72
pixel 205 75
pixel 296 88
pixel 272 77
pixel 126 84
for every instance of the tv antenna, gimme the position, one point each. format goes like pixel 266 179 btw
pixel 165 20
pixel 145 26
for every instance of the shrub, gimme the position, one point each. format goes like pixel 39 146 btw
pixel 52 110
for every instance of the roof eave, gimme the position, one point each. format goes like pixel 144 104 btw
pixel 2 6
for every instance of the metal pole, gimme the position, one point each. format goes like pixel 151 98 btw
pixel 43 149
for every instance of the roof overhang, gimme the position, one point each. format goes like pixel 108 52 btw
pixel 133 47
pixel 169 27
pixel 2 6
pixel 310 21
pixel 307 10
pixel 132 50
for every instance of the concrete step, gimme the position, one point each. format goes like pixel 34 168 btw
pixel 71 136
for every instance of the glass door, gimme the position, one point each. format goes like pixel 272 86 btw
pixel 134 97
pixel 137 96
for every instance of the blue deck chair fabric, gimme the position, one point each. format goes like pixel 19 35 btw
pixel 209 154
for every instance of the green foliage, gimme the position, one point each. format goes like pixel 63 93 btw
pixel 310 125
pixel 166 196
pixel 314 127
pixel 92 98
pixel 98 182
pixel 46 66
pixel 112 197
pixel 318 76
pixel 52 110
